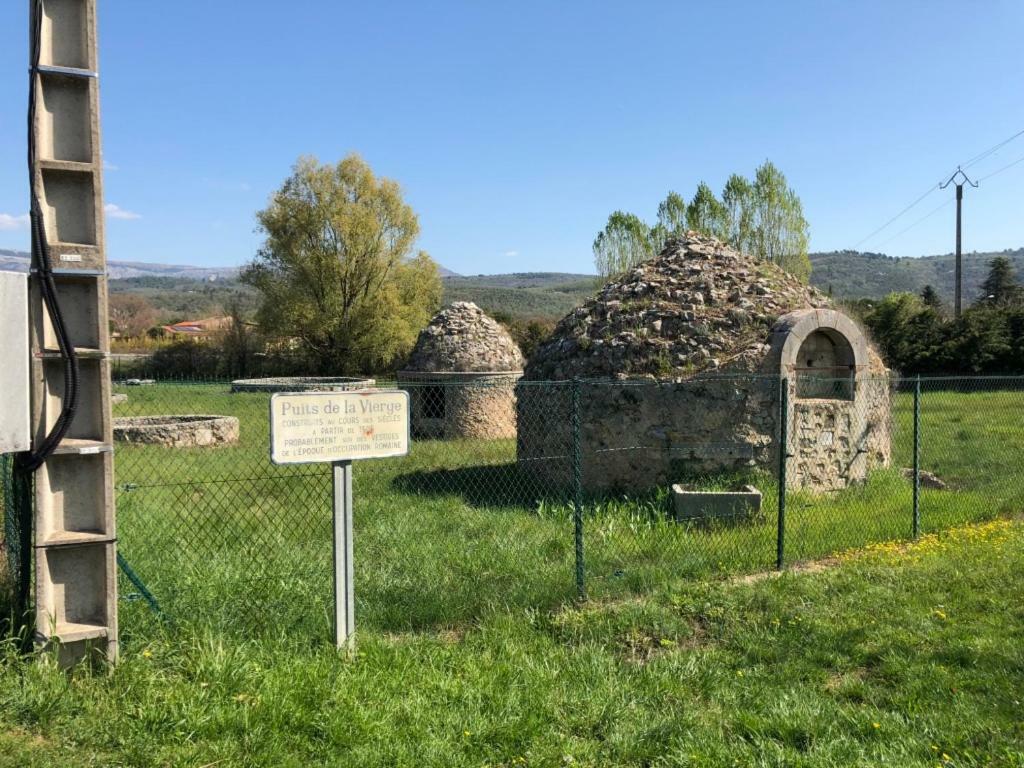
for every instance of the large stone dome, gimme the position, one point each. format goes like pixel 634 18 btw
pixel 462 338
pixel 698 306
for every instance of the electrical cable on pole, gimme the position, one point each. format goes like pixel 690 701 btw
pixel 959 179
pixel 976 159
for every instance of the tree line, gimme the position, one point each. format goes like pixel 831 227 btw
pixel 917 333
pixel 762 217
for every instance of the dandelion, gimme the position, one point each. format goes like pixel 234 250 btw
pixel 147 654
pixel 466 733
pixel 876 725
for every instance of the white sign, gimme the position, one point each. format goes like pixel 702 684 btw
pixel 310 427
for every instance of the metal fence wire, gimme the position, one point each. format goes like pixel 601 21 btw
pixel 527 495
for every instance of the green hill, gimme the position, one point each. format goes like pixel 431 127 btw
pixel 522 295
pixel 856 275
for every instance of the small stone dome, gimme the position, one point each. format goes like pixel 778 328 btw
pixel 463 339
pixel 698 306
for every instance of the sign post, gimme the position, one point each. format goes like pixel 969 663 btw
pixel 338 428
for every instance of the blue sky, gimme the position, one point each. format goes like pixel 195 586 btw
pixel 515 128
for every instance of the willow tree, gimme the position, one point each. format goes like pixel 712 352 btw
pixel 337 270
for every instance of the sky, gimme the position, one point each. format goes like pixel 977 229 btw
pixel 516 128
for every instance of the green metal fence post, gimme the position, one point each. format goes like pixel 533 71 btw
pixel 577 492
pixel 917 457
pixel 780 541
pixel 140 585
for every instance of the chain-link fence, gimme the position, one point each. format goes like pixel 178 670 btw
pixel 530 494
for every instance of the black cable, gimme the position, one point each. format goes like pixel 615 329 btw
pixel 981 156
pixel 32 460
pixel 1018 161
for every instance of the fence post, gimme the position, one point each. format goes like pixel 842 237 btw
pixel 780 541
pixel 577 492
pixel 917 457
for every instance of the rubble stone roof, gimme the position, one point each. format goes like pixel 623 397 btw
pixel 462 338
pixel 698 306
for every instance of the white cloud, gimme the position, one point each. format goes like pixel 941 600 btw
pixel 117 212
pixel 108 166
pixel 511 254
pixel 9 223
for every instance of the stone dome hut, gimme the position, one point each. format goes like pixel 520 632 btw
pixel 679 367
pixel 461 376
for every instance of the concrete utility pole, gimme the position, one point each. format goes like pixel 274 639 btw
pixel 72 460
pixel 959 178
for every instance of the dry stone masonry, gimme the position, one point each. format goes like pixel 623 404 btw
pixel 177 431
pixel 461 376
pixel 680 366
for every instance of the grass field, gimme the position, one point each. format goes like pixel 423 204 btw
pixel 471 648
pixel 457 529
pixel 907 658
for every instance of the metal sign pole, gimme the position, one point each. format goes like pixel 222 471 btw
pixel 335 428
pixel 344 573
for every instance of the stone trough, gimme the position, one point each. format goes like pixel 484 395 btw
pixel 188 431
pixel 709 506
pixel 302 384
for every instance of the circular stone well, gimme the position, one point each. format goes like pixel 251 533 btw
pixel 186 431
pixel 302 384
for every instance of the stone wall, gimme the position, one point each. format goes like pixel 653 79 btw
pixel 642 434
pixel 186 431
pixel 837 442
pixel 637 435
pixel 452 406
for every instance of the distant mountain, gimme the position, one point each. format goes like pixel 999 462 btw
pixel 845 274
pixel 855 275
pixel 18 261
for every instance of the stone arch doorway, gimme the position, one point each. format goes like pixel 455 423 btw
pixel 825 366
pixel 837 416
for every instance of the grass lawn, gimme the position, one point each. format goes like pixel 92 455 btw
pixel 472 651
pixel 905 658
pixel 458 529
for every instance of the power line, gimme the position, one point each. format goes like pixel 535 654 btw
pixel 1004 168
pixel 890 221
pixel 919 221
pixel 976 159
pixel 992 150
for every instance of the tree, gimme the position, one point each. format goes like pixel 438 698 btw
pixel 779 229
pixel 707 215
pixel 931 299
pixel 738 199
pixel 237 342
pixel 336 269
pixel 1000 287
pixel 130 314
pixel 671 221
pixel 763 218
pixel 622 244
